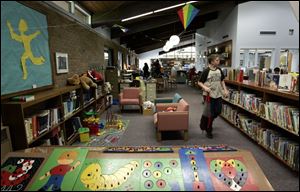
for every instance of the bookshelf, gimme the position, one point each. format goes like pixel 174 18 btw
pixel 247 102
pixel 62 103
pixel 223 49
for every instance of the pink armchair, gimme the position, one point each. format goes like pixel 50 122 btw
pixel 172 121
pixel 130 96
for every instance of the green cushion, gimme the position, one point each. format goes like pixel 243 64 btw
pixel 176 98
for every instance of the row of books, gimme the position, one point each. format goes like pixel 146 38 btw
pixel 230 114
pixel 57 138
pixel 71 103
pixel 249 125
pixel 286 149
pixel 87 96
pixel 285 116
pixel 249 101
pixel 282 82
pixel 230 74
pixel 283 147
pixel 41 122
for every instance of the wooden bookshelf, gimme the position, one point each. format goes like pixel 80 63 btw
pixel 224 50
pixel 261 145
pixel 14 113
pixel 292 132
pixel 267 94
pixel 263 89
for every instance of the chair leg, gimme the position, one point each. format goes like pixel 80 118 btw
pixel 158 135
pixel 186 135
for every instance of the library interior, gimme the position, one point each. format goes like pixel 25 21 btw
pixel 150 96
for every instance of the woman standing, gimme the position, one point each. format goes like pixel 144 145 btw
pixel 146 71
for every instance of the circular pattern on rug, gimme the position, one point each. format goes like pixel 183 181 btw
pixel 146 173
pixel 147 164
pixel 148 184
pixel 158 165
pixel 173 163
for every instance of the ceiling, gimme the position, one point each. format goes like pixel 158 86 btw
pixel 152 31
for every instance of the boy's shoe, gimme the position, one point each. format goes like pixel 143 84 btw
pixel 209 135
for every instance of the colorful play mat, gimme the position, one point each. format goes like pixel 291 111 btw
pixel 106 137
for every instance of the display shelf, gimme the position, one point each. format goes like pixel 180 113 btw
pixel 261 145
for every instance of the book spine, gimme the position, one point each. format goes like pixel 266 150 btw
pixel 34 127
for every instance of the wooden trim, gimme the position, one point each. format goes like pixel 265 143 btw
pixel 250 85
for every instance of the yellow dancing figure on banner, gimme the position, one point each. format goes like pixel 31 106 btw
pixel 26 40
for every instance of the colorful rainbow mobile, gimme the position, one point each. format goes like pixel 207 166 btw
pixel 187 14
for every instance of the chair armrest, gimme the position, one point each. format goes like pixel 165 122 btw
pixel 164 106
pixel 163 100
pixel 141 99
pixel 121 96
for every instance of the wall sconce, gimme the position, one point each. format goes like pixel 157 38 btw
pixel 291 31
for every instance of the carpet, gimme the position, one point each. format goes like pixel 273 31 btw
pixel 107 137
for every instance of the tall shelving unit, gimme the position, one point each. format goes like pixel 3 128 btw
pixel 266 95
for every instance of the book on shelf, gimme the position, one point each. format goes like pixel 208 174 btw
pixel 285 82
pixel 24 98
pixel 251 75
pixel 43 121
pixel 76 123
pixel 28 129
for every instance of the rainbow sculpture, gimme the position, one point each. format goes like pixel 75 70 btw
pixel 187 14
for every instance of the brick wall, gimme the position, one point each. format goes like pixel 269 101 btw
pixel 84 47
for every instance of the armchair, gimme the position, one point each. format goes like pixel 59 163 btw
pixel 175 99
pixel 172 121
pixel 130 96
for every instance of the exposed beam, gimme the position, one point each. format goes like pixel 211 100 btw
pixel 158 21
pixel 176 28
pixel 147 41
pixel 149 47
pixel 130 9
pixel 157 45
pixel 176 48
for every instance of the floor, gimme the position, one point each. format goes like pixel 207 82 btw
pixel 141 132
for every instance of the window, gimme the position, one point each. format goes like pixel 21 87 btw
pixel 66 5
pixel 73 8
pixel 108 56
pixel 289 60
pixel 261 58
pixel 184 53
pixel 82 15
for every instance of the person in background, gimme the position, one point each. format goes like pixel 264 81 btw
pixel 146 71
pixel 213 85
pixel 277 70
pixel 157 70
pixel 192 73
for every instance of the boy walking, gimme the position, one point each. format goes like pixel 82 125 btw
pixel 212 83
